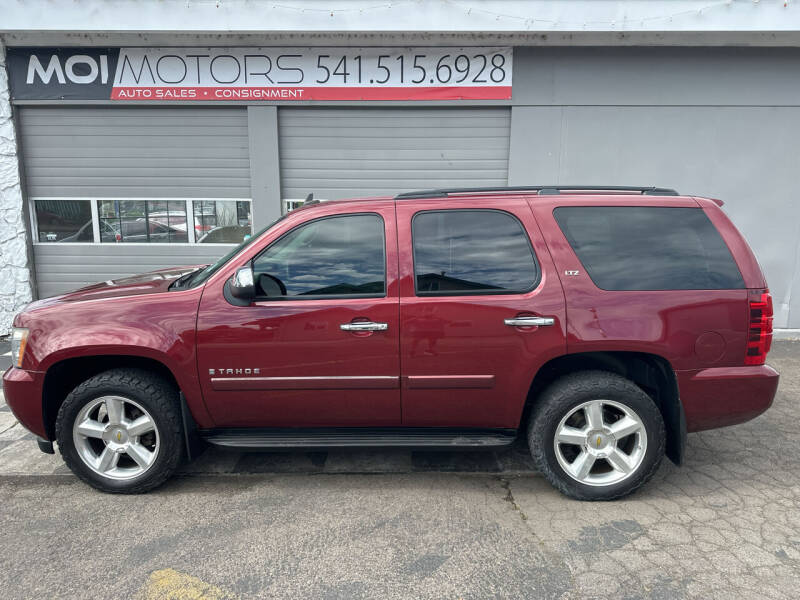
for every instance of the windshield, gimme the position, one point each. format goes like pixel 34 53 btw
pixel 201 276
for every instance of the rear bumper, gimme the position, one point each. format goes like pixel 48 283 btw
pixel 725 396
pixel 23 392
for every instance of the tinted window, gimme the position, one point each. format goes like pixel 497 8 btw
pixel 472 252
pixel 333 256
pixel 649 248
pixel 64 220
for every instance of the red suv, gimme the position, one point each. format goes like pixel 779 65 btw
pixel 601 323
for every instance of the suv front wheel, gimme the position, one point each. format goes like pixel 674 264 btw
pixel 120 431
pixel 596 435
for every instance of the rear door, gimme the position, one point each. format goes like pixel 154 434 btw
pixel 481 310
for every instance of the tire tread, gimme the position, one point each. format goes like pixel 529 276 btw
pixel 159 393
pixel 550 405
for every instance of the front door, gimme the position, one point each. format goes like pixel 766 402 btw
pixel 319 345
pixel 481 310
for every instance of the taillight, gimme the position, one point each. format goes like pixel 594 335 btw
pixel 759 332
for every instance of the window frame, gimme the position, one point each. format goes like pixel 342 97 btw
pixel 536 263
pixel 385 293
pixel 94 204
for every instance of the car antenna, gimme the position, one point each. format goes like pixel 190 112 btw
pixel 310 200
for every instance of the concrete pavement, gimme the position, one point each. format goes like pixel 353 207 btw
pixel 361 525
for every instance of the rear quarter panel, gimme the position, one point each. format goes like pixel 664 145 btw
pixel 670 324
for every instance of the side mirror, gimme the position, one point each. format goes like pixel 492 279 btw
pixel 242 285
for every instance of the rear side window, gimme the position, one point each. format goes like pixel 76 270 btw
pixel 649 248
pixel 458 252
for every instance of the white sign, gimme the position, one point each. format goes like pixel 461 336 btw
pixel 312 74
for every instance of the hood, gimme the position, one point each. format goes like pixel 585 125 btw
pixel 134 285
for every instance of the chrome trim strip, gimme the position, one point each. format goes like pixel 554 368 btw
pixel 529 321
pixel 375 382
pixel 434 382
pixel 364 326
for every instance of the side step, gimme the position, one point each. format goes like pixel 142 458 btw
pixel 359 437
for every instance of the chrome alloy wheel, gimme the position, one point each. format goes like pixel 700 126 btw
pixel 115 437
pixel 600 442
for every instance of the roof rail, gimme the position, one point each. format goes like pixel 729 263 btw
pixel 542 190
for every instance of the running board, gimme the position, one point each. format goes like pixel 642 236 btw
pixel 429 438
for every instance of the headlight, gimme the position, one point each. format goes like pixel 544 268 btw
pixel 19 338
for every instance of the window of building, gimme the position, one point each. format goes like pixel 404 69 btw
pixel 140 220
pixel 333 256
pixel 461 252
pixel 63 220
pixel 143 221
pixel 222 221
pixel 289 204
pixel 649 248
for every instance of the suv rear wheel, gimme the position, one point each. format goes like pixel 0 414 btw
pixel 596 435
pixel 120 431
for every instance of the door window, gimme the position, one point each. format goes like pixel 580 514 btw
pixel 462 252
pixel 332 256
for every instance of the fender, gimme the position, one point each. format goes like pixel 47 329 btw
pixel 158 326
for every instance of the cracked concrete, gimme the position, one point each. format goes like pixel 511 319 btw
pixel 726 525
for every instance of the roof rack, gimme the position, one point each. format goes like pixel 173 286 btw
pixel 542 190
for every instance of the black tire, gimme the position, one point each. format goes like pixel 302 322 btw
pixel 569 392
pixel 156 396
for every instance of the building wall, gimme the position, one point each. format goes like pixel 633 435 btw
pixel 708 121
pixel 718 122
pixel 15 277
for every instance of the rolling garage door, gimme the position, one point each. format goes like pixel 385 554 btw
pixel 85 164
pixel 345 152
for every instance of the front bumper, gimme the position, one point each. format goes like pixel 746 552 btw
pixel 23 392
pixel 725 396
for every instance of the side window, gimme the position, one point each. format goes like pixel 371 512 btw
pixel 333 256
pixel 458 252
pixel 627 248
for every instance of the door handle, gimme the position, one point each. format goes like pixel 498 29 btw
pixel 529 321
pixel 364 326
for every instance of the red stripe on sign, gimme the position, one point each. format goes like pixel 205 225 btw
pixel 312 93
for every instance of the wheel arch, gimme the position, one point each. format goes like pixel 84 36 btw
pixel 652 373
pixel 65 375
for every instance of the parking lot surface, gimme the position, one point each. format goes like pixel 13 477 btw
pixel 414 525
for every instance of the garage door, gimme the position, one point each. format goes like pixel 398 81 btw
pixel 119 190
pixel 345 152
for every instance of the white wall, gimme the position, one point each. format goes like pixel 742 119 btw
pixel 660 17
pixel 15 288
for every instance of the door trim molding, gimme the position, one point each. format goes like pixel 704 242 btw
pixel 374 382
pixel 435 382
